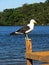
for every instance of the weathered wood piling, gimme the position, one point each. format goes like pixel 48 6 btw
pixel 42 56
pixel 28 49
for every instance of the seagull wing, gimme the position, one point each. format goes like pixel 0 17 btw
pixel 21 31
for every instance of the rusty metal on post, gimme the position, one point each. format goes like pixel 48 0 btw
pixel 29 49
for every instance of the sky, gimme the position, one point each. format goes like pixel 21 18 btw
pixel 8 4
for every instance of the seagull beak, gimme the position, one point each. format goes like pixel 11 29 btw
pixel 35 22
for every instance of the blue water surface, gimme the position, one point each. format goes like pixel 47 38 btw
pixel 12 47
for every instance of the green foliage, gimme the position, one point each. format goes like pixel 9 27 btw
pixel 47 1
pixel 22 15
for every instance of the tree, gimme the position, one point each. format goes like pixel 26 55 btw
pixel 47 1
pixel 22 15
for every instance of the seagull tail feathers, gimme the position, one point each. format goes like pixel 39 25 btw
pixel 13 33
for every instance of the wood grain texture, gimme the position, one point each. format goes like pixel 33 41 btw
pixel 29 49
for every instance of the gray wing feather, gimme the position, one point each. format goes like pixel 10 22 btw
pixel 22 30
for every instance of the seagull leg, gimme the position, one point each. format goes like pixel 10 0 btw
pixel 27 36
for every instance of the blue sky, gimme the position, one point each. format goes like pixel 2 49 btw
pixel 6 4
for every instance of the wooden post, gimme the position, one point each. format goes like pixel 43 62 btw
pixel 29 49
pixel 40 56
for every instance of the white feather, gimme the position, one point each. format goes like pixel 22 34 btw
pixel 31 25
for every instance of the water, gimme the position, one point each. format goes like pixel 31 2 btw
pixel 12 48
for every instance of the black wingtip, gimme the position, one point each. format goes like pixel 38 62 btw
pixel 13 33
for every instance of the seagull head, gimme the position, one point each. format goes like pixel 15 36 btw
pixel 32 21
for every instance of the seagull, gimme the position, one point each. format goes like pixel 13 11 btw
pixel 26 29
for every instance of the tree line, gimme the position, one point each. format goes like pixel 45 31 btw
pixel 22 15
